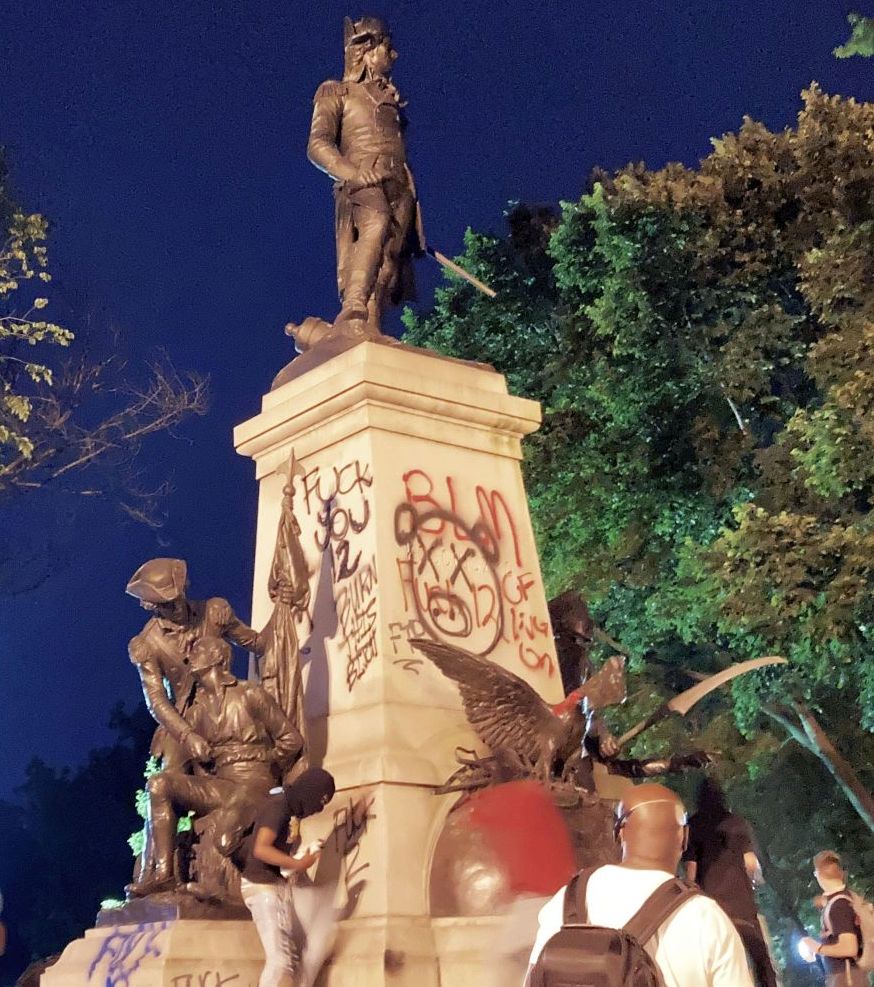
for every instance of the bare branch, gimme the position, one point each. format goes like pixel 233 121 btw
pixel 792 728
pixel 71 438
pixel 734 408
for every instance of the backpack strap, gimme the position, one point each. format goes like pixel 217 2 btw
pixel 575 911
pixel 658 907
pixel 827 911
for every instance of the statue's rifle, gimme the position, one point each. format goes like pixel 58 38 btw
pixel 682 703
pixel 460 272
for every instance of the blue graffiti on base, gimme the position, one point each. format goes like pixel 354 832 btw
pixel 126 950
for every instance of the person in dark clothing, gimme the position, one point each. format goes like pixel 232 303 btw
pixel 272 851
pixel 721 859
pixel 841 941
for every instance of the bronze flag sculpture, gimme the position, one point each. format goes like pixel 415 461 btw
pixel 279 665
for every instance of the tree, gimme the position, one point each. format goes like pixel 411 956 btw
pixel 64 842
pixel 22 259
pixel 76 424
pixel 701 340
pixel 861 41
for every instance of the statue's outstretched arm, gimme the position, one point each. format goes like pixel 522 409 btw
pixel 244 636
pixel 158 702
pixel 232 628
pixel 648 767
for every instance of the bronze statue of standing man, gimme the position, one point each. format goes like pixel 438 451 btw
pixel 357 137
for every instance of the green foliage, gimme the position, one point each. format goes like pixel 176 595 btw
pixel 61 419
pixel 704 469
pixel 861 41
pixel 137 840
pixel 23 259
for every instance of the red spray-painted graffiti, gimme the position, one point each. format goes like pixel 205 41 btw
pixel 463 575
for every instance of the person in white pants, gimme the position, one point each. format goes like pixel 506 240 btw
pixel 271 850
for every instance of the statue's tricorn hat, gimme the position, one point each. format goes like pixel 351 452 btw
pixel 365 29
pixel 158 581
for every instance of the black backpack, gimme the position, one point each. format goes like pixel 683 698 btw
pixel 581 955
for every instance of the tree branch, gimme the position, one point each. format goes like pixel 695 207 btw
pixel 794 731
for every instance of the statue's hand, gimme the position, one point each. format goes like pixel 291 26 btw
pixel 607 745
pixel 694 760
pixel 292 596
pixel 364 178
pixel 197 747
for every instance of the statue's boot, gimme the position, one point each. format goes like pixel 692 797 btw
pixel 354 308
pixel 361 280
pixel 160 844
pixel 154 884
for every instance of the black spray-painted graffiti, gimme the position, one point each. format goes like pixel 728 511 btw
pixel 350 827
pixel 319 488
pixel 210 978
pixel 336 525
pixel 124 952
pixel 356 616
pixel 449 577
pixel 409 664
pixel 400 631
pixel 337 500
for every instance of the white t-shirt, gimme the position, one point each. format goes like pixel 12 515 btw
pixel 696 947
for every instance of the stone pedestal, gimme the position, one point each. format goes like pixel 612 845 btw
pixel 180 953
pixel 414 523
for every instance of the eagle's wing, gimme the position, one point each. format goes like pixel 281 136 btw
pixel 502 708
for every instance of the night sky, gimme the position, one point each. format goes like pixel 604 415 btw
pixel 166 143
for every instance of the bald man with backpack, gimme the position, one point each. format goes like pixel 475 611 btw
pixel 634 924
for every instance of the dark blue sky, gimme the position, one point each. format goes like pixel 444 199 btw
pixel 166 142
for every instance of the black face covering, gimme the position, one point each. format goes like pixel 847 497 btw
pixel 306 796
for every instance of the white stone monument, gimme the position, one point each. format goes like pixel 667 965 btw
pixel 409 494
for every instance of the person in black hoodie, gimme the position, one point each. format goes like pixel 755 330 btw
pixel 721 859
pixel 273 851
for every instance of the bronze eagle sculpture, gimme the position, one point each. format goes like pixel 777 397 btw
pixel 508 715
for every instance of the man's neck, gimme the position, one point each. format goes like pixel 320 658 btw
pixel 832 887
pixel 215 686
pixel 179 620
pixel 641 862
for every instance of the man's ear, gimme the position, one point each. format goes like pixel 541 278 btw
pixel 685 838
